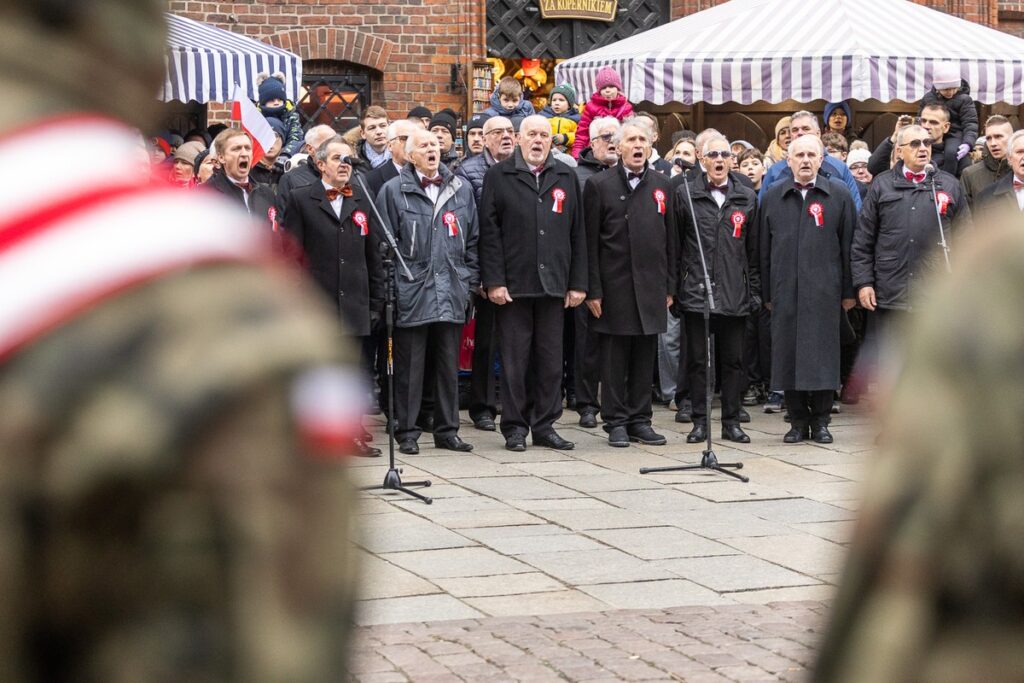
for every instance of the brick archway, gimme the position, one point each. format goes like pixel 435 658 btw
pixel 337 44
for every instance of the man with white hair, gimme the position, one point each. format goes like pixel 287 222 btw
pixel 805 123
pixel 602 153
pixel 806 226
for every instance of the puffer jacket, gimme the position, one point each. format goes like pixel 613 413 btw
pixel 963 116
pixel 524 108
pixel 295 138
pixel 562 124
pixel 597 107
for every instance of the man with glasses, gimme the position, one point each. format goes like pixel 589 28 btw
pixel 398 135
pixel 896 239
pixel 935 120
pixel 499 143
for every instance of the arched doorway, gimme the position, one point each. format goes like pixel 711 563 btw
pixel 335 93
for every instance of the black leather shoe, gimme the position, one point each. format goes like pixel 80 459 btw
pixel 515 442
pixel 647 436
pixel 743 416
pixel 796 435
pixel 734 433
pixel 684 412
pixel 553 440
pixel 821 435
pixel 409 447
pixel 698 433
pixel 364 451
pixel 618 437
pixel 452 443
pixel 588 419
pixel 485 423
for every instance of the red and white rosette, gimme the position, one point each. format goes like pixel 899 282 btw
pixel 359 218
pixel 817 212
pixel 558 197
pixel 659 199
pixel 943 201
pixel 738 218
pixel 272 215
pixel 452 222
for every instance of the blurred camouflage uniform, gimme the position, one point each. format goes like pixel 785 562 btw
pixel 166 514
pixel 934 586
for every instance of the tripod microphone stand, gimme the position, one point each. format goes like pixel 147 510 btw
pixel 708 460
pixel 929 171
pixel 389 252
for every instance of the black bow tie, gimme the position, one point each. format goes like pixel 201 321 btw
pixel 427 182
pixel 802 186
pixel 719 188
pixel 638 176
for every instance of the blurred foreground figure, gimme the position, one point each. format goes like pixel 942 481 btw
pixel 172 501
pixel 934 586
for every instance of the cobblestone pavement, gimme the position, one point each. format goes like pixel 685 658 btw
pixel 550 565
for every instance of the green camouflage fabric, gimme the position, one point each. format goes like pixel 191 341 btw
pixel 159 518
pixel 933 590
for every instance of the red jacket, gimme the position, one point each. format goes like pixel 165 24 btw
pixel 598 106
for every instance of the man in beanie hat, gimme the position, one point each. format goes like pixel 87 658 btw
pixel 608 100
pixel 274 104
pixel 954 93
pixel 183 171
pixel 564 116
pixel 475 134
pixel 443 127
pixel 421 113
pixel 171 465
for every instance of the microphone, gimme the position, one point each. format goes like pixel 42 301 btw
pixel 355 162
pixel 929 169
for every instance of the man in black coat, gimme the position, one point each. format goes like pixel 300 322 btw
pixel 332 223
pixel 805 232
pixel 1007 193
pixel 499 144
pixel 994 163
pixel 631 247
pixel 935 119
pixel 894 245
pixel 398 135
pixel 233 147
pixel 533 265
pixel 725 213
pixel 304 172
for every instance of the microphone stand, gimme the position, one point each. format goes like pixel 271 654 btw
pixel 389 252
pixel 708 461
pixel 930 179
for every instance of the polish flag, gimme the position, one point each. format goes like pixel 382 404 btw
pixel 253 123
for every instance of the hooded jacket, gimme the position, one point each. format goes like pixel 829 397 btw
pixel 524 108
pixel 598 106
pixel 849 133
pixel 562 124
pixel 295 138
pixel 963 116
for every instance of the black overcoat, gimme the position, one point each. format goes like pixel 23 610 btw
pixel 344 262
pixel 896 241
pixel 530 241
pixel 728 235
pixel 631 250
pixel 261 199
pixel 805 275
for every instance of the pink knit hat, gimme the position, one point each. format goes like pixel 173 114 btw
pixel 607 76
pixel 946 75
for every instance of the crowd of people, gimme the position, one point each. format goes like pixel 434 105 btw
pixel 582 258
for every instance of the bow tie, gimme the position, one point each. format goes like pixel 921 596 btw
pixel 637 176
pixel 1018 185
pixel 333 194
pixel 246 187
pixel 803 186
pixel 914 177
pixel 427 182
pixel 718 188
pixel 538 170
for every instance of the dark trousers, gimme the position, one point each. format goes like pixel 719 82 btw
pixel 379 341
pixel 627 366
pixel 728 331
pixel 436 344
pixel 757 348
pixel 530 341
pixel 569 353
pixel 483 386
pixel 809 408
pixel 588 361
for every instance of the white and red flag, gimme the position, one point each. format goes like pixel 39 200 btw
pixel 253 123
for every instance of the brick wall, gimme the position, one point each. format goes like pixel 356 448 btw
pixel 411 44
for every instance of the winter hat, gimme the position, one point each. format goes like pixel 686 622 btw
pixel 420 112
pixel 188 152
pixel 477 121
pixel 161 142
pixel 198 161
pixel 445 119
pixel 605 77
pixel 271 88
pixel 279 127
pixel 946 75
pixel 784 122
pixel 566 91
pixel 858 156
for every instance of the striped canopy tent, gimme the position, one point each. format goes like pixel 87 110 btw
pixel 833 50
pixel 204 63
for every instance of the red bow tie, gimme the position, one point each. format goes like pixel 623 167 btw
pixel 427 182
pixel 802 186
pixel 247 187
pixel 538 170
pixel 1018 184
pixel 333 194
pixel 718 188
pixel 915 177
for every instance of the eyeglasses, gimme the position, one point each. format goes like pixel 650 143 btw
pixel 502 131
pixel 715 154
pixel 400 138
pixel 917 144
pixel 607 137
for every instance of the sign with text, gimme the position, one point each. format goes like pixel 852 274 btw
pixel 588 10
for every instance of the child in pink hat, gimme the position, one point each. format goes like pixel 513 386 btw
pixel 607 101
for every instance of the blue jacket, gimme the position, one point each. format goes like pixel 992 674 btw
pixel 831 168
pixel 524 108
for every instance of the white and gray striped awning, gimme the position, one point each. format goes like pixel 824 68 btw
pixel 204 63
pixel 776 50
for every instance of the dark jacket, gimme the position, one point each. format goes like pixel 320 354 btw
pixel 444 266
pixel 345 262
pixel 878 164
pixel 999 196
pixel 894 245
pixel 587 166
pixel 294 138
pixel 271 177
pixel 805 275
pixel 305 173
pixel 830 167
pixel 963 115
pixel 473 171
pixel 376 178
pixel 631 251
pixel 850 133
pixel 261 199
pixel 526 244
pixel 981 174
pixel 729 239
pixel 524 108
